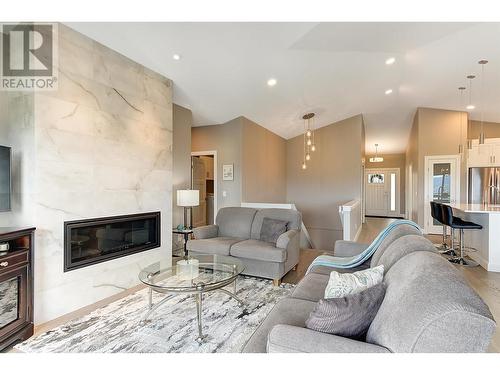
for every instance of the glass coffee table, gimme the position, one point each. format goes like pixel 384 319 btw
pixel 194 275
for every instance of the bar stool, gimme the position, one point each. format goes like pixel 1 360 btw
pixel 457 223
pixel 437 214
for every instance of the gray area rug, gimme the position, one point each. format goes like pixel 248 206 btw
pixel 118 327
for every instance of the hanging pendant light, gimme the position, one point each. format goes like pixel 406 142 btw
pixel 481 134
pixel 376 159
pixel 308 138
pixel 461 146
pixel 470 106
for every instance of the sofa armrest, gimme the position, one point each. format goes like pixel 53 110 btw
pixel 348 248
pixel 207 231
pixel 285 338
pixel 286 238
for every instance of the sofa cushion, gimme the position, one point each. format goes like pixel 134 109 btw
pixel 216 245
pixel 258 250
pixel 311 287
pixel 285 338
pixel 293 217
pixel 271 229
pixel 349 316
pixel 326 270
pixel 235 221
pixel 399 231
pixel 429 307
pixel 343 284
pixel 404 246
pixel 287 311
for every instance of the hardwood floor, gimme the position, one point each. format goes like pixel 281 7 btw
pixel 486 284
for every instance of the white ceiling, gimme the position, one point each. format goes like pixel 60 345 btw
pixel 334 69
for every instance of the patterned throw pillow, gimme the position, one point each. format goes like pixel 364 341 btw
pixel 271 229
pixel 350 316
pixel 343 284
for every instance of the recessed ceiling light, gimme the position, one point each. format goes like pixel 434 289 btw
pixel 271 82
pixel 176 56
pixel 470 106
pixel 390 61
pixel 387 92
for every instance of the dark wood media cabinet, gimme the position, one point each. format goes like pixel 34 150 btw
pixel 16 285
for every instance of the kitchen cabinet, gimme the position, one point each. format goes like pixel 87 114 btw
pixel 485 155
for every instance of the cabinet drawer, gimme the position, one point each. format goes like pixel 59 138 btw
pixel 13 260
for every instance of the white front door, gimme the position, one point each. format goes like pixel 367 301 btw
pixel 382 192
pixel 442 185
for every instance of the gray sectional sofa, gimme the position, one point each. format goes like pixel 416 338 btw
pixel 237 233
pixel 428 307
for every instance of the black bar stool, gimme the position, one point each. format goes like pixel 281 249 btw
pixel 457 223
pixel 437 214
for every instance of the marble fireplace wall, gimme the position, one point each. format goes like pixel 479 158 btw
pixel 103 144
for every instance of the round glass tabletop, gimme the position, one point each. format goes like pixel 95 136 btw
pixel 206 272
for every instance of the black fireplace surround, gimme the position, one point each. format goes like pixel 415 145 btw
pixel 93 241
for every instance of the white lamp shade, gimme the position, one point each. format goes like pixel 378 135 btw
pixel 188 198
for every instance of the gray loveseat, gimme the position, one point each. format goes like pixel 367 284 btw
pixel 428 307
pixel 237 234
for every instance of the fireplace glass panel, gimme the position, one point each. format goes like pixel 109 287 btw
pixel 9 301
pixel 99 240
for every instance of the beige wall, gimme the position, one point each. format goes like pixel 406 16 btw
pixel 438 132
pixel 258 156
pixel 181 160
pixel 226 140
pixel 393 161
pixel 411 173
pixel 491 129
pixel 333 177
pixel 263 165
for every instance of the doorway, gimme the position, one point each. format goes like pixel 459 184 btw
pixel 442 185
pixel 382 192
pixel 204 179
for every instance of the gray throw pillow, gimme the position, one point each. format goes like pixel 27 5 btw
pixel 349 316
pixel 271 229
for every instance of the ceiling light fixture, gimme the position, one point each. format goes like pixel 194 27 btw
pixel 272 82
pixel 469 106
pixel 376 159
pixel 387 92
pixel 176 56
pixel 390 61
pixel 461 146
pixel 309 145
pixel 481 100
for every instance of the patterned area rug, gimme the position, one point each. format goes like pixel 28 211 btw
pixel 118 327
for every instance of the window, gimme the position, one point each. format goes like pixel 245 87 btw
pixel 393 191
pixel 376 178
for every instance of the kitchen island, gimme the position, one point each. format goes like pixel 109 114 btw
pixel 486 240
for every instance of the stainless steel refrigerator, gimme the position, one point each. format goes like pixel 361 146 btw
pixel 484 185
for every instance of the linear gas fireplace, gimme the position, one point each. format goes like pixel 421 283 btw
pixel 92 241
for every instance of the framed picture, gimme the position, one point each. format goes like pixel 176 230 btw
pixel 228 172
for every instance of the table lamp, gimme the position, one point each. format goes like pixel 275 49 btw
pixel 188 199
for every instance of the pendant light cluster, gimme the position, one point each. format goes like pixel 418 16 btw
pixel 309 145
pixel 471 106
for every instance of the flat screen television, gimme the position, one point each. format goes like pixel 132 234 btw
pixel 5 178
